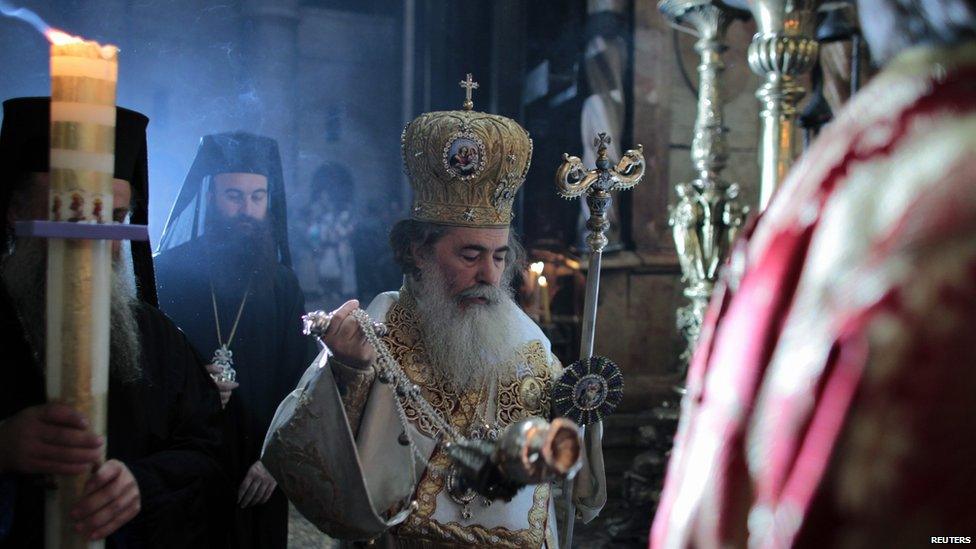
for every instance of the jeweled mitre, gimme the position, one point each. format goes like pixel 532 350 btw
pixel 465 166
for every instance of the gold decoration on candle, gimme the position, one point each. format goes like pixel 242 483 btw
pixel 83 83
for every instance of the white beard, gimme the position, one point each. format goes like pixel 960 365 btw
pixel 466 346
pixel 25 277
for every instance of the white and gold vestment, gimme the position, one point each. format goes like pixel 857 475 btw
pixel 356 475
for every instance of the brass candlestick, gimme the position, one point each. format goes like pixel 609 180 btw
pixel 783 48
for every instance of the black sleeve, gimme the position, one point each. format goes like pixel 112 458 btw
pixel 21 386
pixel 181 475
pixel 298 350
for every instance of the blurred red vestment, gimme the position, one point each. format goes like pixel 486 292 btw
pixel 830 400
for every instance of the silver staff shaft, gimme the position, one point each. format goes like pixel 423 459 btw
pixel 574 180
pixel 590 304
pixel 586 351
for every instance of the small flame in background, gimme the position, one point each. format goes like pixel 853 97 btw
pixel 56 37
pixel 537 267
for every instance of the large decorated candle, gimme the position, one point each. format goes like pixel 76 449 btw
pixel 83 84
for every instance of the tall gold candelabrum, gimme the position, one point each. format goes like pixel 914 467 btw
pixel 708 213
pixel 783 47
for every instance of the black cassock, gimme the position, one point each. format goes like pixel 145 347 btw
pixel 164 427
pixel 270 355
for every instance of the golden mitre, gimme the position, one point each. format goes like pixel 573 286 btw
pixel 465 166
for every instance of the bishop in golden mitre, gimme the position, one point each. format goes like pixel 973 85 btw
pixel 367 466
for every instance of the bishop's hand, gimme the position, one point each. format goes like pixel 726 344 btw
pixel 346 340
pixel 257 486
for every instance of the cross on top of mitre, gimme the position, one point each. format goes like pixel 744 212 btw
pixel 469 85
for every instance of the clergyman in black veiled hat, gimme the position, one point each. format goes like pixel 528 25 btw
pixel 223 274
pixel 162 445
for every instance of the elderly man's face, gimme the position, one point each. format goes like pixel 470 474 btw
pixel 469 257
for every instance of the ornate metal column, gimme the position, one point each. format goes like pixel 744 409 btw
pixel 782 48
pixel 708 213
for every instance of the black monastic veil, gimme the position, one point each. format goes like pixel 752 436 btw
pixel 270 353
pixel 239 152
pixel 163 425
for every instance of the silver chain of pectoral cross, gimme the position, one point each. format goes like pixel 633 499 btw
pixel 223 356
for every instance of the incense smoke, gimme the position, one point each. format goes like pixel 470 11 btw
pixel 26 16
pixel 53 35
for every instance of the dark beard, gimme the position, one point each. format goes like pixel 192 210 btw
pixel 24 274
pixel 241 252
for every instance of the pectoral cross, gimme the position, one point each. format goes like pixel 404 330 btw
pixel 224 358
pixel 468 84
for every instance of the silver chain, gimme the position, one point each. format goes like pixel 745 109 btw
pixel 404 389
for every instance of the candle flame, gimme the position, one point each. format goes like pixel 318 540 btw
pixel 543 282
pixel 537 267
pixel 60 38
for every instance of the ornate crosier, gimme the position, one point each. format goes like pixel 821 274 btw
pixel 573 180
pixel 708 213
